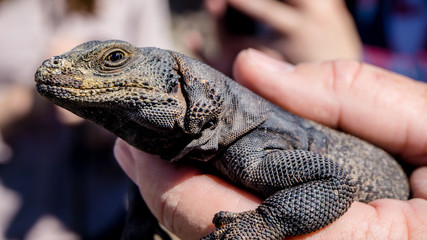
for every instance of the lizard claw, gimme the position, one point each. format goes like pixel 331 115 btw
pixel 227 232
pixel 222 218
pixel 242 226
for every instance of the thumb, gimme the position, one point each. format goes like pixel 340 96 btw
pixel 384 108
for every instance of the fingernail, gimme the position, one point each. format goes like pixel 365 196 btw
pixel 121 150
pixel 259 59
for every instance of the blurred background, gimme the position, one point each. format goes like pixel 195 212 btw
pixel 58 175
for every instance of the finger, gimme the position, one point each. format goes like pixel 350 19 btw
pixel 382 218
pixel 182 198
pixel 318 6
pixel 278 15
pixel 216 7
pixel 379 106
pixel 418 183
pixel 125 159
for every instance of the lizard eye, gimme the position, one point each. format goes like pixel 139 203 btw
pixel 114 59
pixel 115 56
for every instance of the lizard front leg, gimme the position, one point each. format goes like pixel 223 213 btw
pixel 306 191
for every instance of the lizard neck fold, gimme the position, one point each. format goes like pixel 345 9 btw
pixel 217 114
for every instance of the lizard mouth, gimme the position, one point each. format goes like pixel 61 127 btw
pixel 58 91
pixel 95 96
pixel 52 84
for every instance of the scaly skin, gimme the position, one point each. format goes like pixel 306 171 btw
pixel 168 104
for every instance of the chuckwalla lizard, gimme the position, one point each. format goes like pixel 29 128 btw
pixel 168 104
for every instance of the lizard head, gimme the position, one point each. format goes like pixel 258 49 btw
pixel 160 101
pixel 114 82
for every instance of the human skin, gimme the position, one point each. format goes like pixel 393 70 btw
pixel 384 108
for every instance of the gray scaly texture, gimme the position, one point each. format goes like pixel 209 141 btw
pixel 165 103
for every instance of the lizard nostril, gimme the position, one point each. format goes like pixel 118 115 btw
pixel 55 62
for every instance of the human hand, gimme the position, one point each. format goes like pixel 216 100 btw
pixel 379 106
pixel 306 30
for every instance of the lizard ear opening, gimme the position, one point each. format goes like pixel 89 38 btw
pixel 202 88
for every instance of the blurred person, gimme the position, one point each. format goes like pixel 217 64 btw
pixel 390 34
pixel 58 176
pixel 296 31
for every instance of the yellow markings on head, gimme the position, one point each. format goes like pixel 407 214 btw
pixel 91 84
